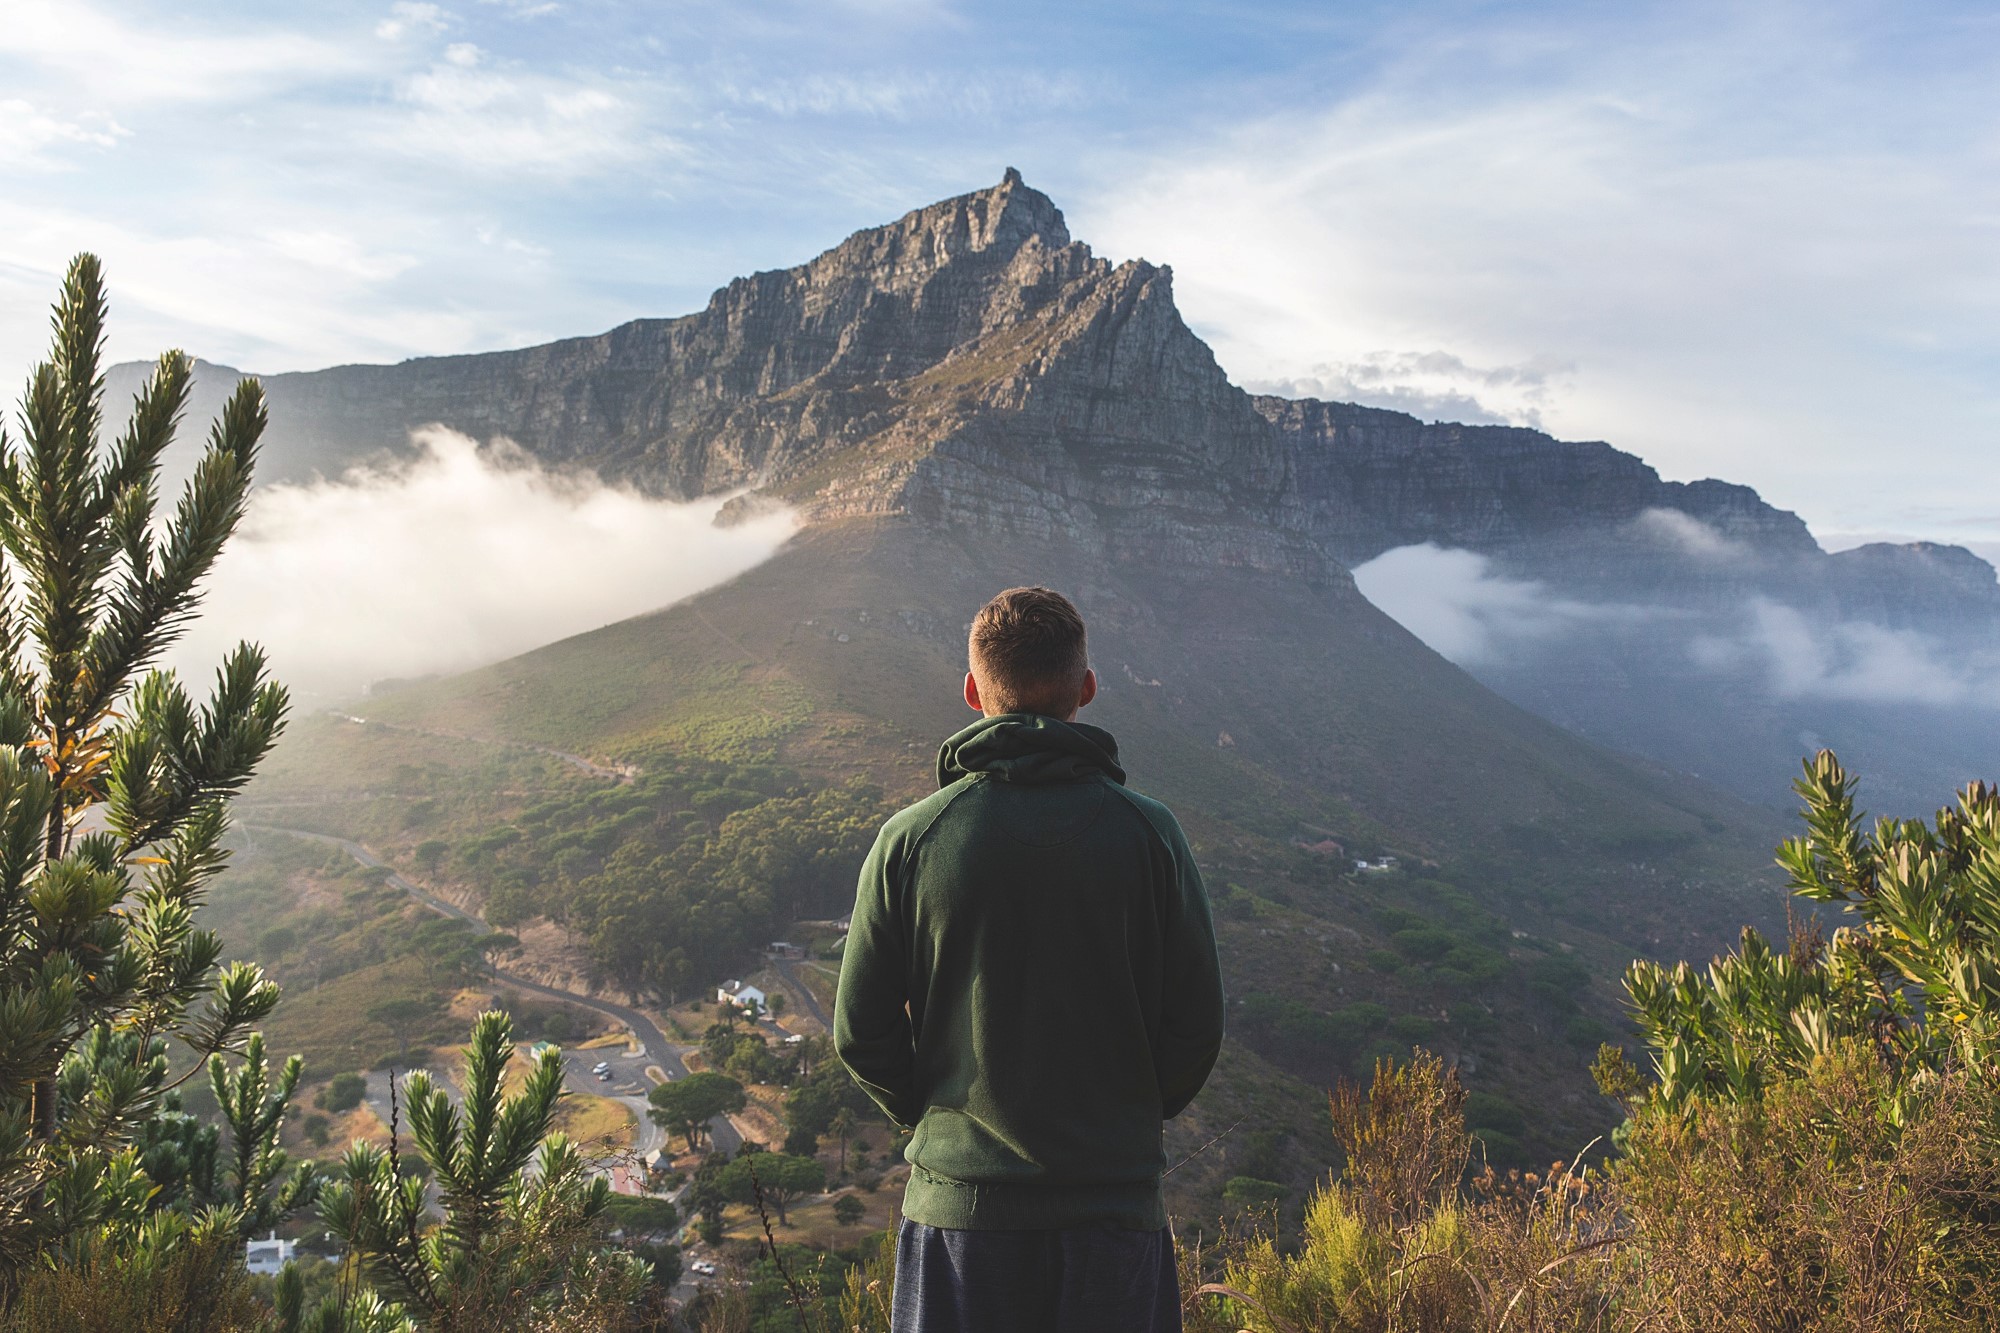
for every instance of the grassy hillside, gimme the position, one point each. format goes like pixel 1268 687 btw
pixel 1294 729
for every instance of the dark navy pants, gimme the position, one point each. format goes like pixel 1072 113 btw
pixel 1091 1280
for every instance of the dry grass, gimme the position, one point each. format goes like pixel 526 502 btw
pixel 598 1124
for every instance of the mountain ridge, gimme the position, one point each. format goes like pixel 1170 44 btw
pixel 971 365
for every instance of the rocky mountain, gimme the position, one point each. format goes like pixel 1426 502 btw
pixel 959 401
pixel 973 368
pixel 1691 622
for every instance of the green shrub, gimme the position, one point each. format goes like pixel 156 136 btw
pixel 1426 944
pixel 1245 1193
pixel 1412 1029
pixel 343 1092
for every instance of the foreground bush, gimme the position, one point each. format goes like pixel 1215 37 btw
pixel 1401 1241
pixel 1837 1200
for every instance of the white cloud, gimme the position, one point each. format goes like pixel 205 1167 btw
pixel 1803 657
pixel 1455 603
pixel 460 556
pixel 26 130
pixel 407 18
pixel 1688 535
pixel 1433 385
pixel 1760 234
pixel 105 61
pixel 470 112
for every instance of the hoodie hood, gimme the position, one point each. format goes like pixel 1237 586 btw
pixel 1031 749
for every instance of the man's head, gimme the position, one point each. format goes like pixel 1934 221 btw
pixel 1027 655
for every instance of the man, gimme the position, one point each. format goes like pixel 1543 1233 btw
pixel 1030 983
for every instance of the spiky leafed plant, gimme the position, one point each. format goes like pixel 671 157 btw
pixel 516 1247
pixel 114 783
pixel 1925 903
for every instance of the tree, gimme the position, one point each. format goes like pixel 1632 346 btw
pixel 641 1214
pixel 779 1178
pixel 263 1184
pixel 777 1004
pixel 705 1196
pixel 342 1093
pixel 519 1236
pixel 752 1061
pixel 114 782
pixel 1925 902
pixel 686 1105
pixel 847 1210
pixel 402 1016
pixel 843 1126
pixel 719 1043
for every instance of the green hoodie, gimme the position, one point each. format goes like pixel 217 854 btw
pixel 1049 934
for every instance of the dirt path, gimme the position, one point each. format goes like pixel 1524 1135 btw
pixel 620 772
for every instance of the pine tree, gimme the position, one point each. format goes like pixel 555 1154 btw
pixel 114 785
pixel 518 1244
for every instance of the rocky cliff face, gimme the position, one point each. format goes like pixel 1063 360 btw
pixel 1373 480
pixel 972 365
pixel 968 364
pixel 972 369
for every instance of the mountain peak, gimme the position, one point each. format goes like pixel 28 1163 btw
pixel 995 224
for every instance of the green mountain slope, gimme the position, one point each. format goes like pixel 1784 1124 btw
pixel 1293 726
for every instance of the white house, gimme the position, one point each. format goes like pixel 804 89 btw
pixel 268 1256
pixel 742 996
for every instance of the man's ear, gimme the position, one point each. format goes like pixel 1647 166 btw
pixel 972 694
pixel 1089 690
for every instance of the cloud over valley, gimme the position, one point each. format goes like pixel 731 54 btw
pixel 459 555
pixel 1472 612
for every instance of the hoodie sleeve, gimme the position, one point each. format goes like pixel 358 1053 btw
pixel 1191 1015
pixel 871 1017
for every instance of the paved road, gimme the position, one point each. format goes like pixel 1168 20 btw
pixel 628 1084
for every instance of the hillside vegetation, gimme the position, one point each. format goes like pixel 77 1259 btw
pixel 772 722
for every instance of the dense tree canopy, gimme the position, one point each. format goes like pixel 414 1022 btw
pixel 780 1178
pixel 686 1105
pixel 672 877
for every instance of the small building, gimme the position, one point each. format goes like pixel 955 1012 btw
pixel 268 1256
pixel 1376 866
pixel 747 998
pixel 786 949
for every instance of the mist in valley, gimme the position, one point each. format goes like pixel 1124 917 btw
pixel 458 554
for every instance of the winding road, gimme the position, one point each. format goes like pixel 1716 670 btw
pixel 654 1046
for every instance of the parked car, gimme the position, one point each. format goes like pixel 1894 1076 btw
pixel 600 1067
pixel 705 1267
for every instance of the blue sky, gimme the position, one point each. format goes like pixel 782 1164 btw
pixel 1748 240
